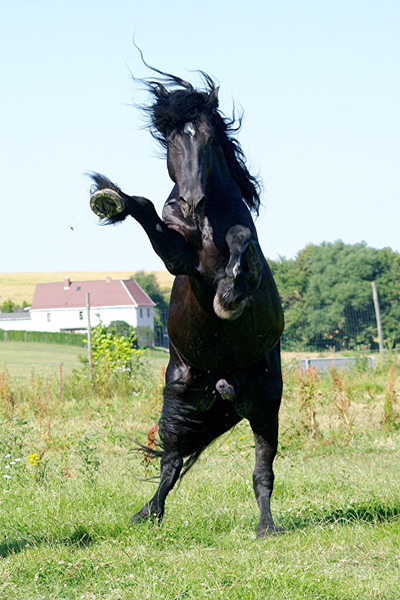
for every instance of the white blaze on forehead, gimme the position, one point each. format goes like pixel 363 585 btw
pixel 189 128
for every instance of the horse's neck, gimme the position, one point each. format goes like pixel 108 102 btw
pixel 221 184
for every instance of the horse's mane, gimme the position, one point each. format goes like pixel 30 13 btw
pixel 177 102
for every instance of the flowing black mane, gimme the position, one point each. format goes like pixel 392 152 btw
pixel 176 102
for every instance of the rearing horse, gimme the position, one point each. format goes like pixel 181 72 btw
pixel 225 317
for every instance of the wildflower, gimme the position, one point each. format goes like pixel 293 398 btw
pixel 7 456
pixel 18 459
pixel 33 459
pixel 7 467
pixel 6 476
pixel 12 462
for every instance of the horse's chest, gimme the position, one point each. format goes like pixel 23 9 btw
pixel 213 345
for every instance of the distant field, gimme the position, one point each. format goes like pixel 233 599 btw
pixel 21 286
pixel 20 359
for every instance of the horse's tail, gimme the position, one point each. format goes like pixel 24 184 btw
pixel 159 453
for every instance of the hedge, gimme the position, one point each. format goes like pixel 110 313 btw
pixel 49 337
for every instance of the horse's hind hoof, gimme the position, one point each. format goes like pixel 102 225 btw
pixel 106 203
pixel 266 532
pixel 145 515
pixel 142 515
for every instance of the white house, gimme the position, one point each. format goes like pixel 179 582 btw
pixel 62 306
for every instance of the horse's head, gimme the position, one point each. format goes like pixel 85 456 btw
pixel 189 160
pixel 188 124
pixel 183 120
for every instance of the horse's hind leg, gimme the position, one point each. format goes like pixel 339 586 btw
pixel 171 465
pixel 263 393
pixel 263 483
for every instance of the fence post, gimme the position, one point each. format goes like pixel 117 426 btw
pixel 378 316
pixel 89 334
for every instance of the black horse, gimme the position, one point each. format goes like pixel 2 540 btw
pixel 225 317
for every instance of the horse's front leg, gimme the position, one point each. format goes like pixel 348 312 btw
pixel 242 274
pixel 112 205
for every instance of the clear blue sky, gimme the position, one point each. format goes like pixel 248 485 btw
pixel 319 82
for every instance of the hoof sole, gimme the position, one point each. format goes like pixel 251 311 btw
pixel 106 203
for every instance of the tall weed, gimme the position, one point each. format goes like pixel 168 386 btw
pixel 341 395
pixel 390 417
pixel 308 394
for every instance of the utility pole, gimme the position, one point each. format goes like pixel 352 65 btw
pixel 89 333
pixel 378 316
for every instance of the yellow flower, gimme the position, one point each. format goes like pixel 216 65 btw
pixel 34 459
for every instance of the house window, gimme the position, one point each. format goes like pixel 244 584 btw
pixel 141 313
pixel 148 312
pixel 48 317
pixel 81 315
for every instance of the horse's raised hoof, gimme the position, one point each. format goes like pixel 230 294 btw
pixel 106 203
pixel 263 532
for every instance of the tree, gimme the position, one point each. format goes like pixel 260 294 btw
pixel 148 282
pixel 120 328
pixel 8 306
pixel 327 297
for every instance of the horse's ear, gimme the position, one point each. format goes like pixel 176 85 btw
pixel 163 92
pixel 213 98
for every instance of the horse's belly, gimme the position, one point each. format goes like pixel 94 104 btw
pixel 221 346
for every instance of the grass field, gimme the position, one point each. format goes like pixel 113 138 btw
pixel 21 286
pixel 64 513
pixel 21 359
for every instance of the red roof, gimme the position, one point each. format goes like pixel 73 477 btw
pixel 72 294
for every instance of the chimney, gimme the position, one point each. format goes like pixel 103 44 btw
pixel 67 283
pixel 108 279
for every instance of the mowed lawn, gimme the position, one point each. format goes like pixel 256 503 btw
pixel 21 359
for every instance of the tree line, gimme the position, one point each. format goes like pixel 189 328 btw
pixel 327 297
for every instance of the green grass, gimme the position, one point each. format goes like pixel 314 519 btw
pixel 158 358
pixel 64 521
pixel 22 358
